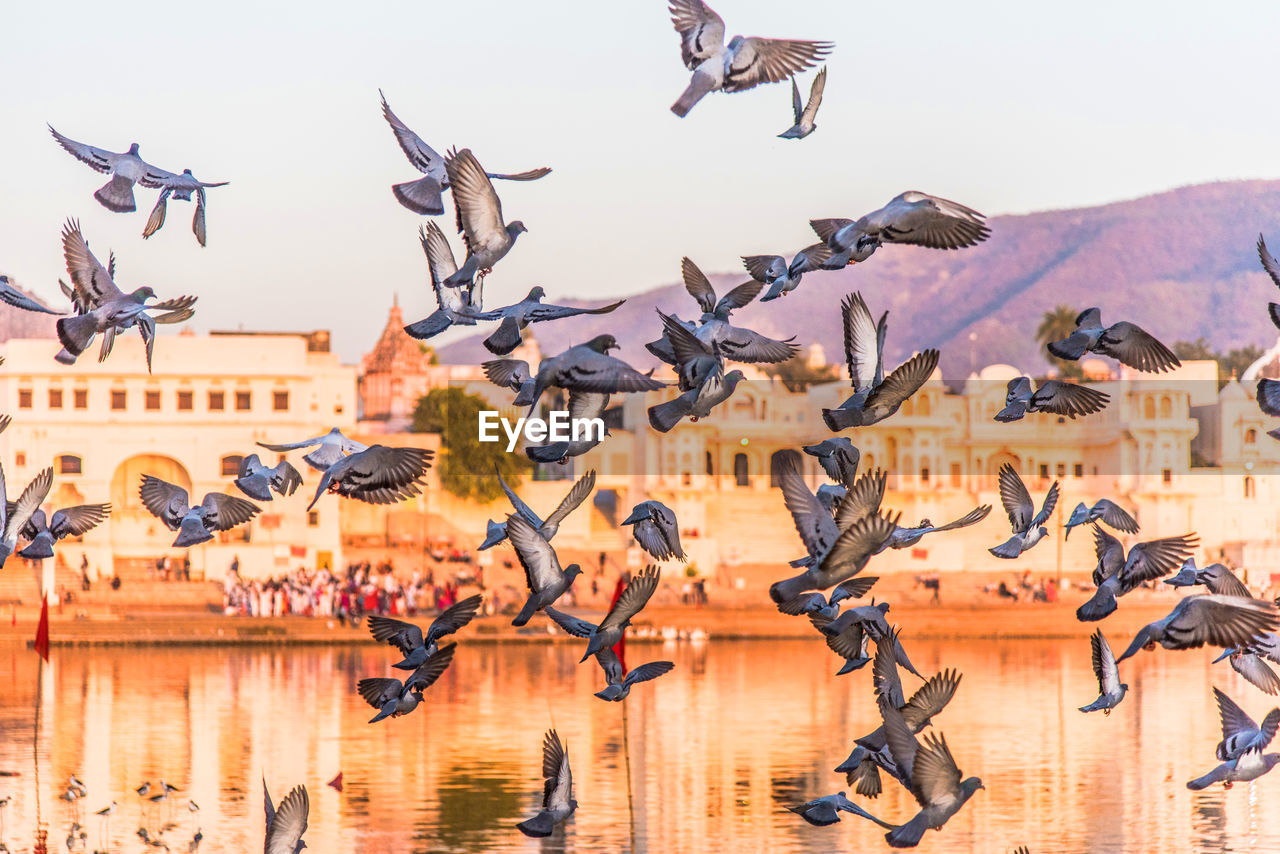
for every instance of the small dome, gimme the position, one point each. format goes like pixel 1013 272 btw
pixel 999 373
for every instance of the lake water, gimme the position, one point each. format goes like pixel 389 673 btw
pixel 716 749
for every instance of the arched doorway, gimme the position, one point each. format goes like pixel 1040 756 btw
pixel 128 477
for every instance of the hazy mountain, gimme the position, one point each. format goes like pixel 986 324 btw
pixel 16 323
pixel 1182 264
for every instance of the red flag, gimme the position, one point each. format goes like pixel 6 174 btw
pixel 42 631
pixel 620 649
pixel 336 782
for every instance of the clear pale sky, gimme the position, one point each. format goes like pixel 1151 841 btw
pixel 1005 106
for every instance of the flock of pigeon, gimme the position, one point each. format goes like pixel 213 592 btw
pixel 842 525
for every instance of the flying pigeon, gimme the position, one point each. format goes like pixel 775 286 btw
pixel 1066 399
pixel 125 169
pixel 617 688
pixel 487 237
pixel 170 504
pixel 286 825
pixel 377 475
pixel 497 531
pixel 19 515
pixel 906 537
pixel 696 403
pixel 912 217
pixel 838 458
pixel 634 597
pixel 743 64
pixel 1241 747
pixel 415 646
pixel 510 373
pixel 1251 662
pixel 1215 576
pixel 868 620
pixel 423 195
pixel 557 790
pixel 180 187
pixel 656 530
pixel 828 607
pixel 583 406
pixel 1117 574
pixel 1125 342
pixel 826 810
pixel 780 277
pixel 257 480
pixel 1028 529
pixel 1224 621
pixel 1268 395
pixel 1103 510
pixel 546 580
pixel 16 298
pixel 805 112
pixel 455 305
pixel 586 367
pixel 42 532
pixel 875 396
pixel 517 317
pixel 329 448
pixel 1110 689
pixel 392 698
pixel 852 645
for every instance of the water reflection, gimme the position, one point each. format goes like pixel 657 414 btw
pixel 715 749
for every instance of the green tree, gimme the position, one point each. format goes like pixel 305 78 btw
pixel 466 465
pixel 1231 364
pixel 1054 326
pixel 797 374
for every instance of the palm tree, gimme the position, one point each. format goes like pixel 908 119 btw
pixel 1054 326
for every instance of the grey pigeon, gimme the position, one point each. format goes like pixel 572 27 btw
pixel 631 601
pixel 497 531
pixel 17 516
pixel 1223 621
pixel 826 810
pixel 656 530
pixel 853 645
pixel 180 187
pixel 1215 576
pixel 414 645
pixel 103 308
pixel 125 168
pixel 616 687
pixel 699 287
pixel 1125 342
pixel 392 698
pixel 1103 510
pixel 1028 529
pixel 875 396
pixel 1117 574
pixel 828 607
pixel 510 373
pixel 41 533
pixel 868 620
pixel 743 64
pixel 1268 395
pixel 1110 689
pixel 582 405
pixel 619 689
pixel 805 112
pixel 696 403
pixel 586 367
pixel 487 237
pixel 1054 396
pixel 905 538
pixel 455 306
pixel 12 296
pixel 838 458
pixel 329 448
pixel 377 475
pixel 170 504
pixel 547 582
pixel 694 360
pixel 934 777
pixel 286 825
pixel 912 217
pixel 1251 663
pixel 517 317
pixel 780 277
pixel 1273 270
pixel 423 195
pixel 258 480
pixel 1241 747
pixel 557 789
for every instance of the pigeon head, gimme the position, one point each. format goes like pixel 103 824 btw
pixel 603 343
pixel 4 280
pixel 971 785
pixel 732 378
pixel 536 293
pixel 516 227
pixel 133 149
pixel 187 172
pixel 143 294
pixel 572 571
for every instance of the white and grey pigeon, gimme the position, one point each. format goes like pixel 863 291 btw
pixel 557 789
pixel 743 64
pixel 1110 689
pixel 487 237
pixel 1273 270
pixel 1117 574
pixel 497 531
pixel 258 480
pixel 286 825
pixel 423 196
pixel 1028 526
pixel 329 448
pixel 1054 396
pixel 780 277
pixel 517 317
pixel 454 305
pixel 125 168
pixel 18 516
pixel 1102 510
pixel 586 367
pixel 584 406
pixel 547 582
pixel 377 475
pixel 805 112
pixel 1223 621
pixel 180 187
pixel 392 698
pixel 1242 746
pixel 656 530
pixel 103 308
pixel 1125 342
pixel 170 504
pixel 41 532
pixel 826 810
pixel 875 396
pixel 10 295
pixel 914 218
pixel 415 645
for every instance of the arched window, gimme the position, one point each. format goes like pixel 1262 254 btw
pixel 69 464
pixel 1250 436
pixel 923 407
pixel 1149 407
pixel 231 465
pixel 741 470
pixel 711 466
pixel 1249 491
pixel 1166 407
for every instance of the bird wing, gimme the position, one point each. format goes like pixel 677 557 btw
pixel 440 260
pixel 931 698
pixel 862 499
pixel 292 446
pixel 290 823
pixel 973 517
pixel 1016 499
pixel 759 60
pixel 864 537
pixel 884 673
pixel 701 31
pixel 92 281
pixel 1234 719
pixel 455 617
pixel 223 512
pixel 765 268
pixel 698 285
pixel 1156 559
pixel 479 210
pixel 381 466
pixel 405 637
pixel 797 105
pixel 429 671
pixel 28 503
pixel 648 670
pixel 501 372
pixel 98 159
pixel 653 540
pixel 686 346
pixel 541 565
pixel 826 228
pixel 934 775
pixel 592 371
pixel 1257 672
pixel 1117 517
pixel 377 691
pixel 743 345
pixel 924 220
pixel 166 501
pixel 1134 346
pixel 905 380
pixel 250 465
pixel 1069 399
pixel 813 523
pixel 1046 509
pixel 815 97
pixel 1268 261
pixel 524 509
pixel 78 520
pixel 1104 664
pixel 861 350
pixel 636 595
pixel 423 157
pixel 585 404
pixel 542 312
pixel 1105 547
pixel 1223 621
pixel 902 743
pixel 575 626
pixel 739 296
pixel 1221 580
pixel 554 758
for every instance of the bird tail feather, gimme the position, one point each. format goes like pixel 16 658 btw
pixel 421 196
pixel 505 338
pixel 1072 347
pixel 665 416
pixel 839 419
pixel 117 195
pixel 909 834
pixel 1009 549
pixel 526 613
pixel 76 333
pixel 790 588
pixel 553 453
pixel 698 87
pixel 539 826
pixel 435 323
